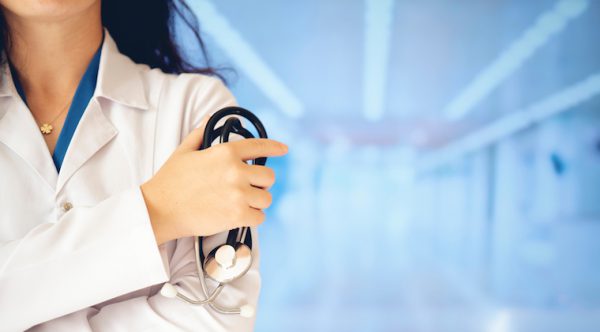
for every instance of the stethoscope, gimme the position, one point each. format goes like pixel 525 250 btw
pixel 231 260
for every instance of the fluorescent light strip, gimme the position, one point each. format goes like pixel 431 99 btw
pixel 246 58
pixel 547 25
pixel 510 124
pixel 378 27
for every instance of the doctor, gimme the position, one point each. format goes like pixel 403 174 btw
pixel 101 184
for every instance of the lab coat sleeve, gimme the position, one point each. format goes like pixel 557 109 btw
pixel 157 313
pixel 88 256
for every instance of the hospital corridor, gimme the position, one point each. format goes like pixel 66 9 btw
pixel 444 167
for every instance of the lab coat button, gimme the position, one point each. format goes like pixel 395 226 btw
pixel 67 206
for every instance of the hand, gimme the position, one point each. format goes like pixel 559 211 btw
pixel 201 193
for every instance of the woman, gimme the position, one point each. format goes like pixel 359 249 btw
pixel 101 184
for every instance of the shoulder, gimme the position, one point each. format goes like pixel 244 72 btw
pixel 188 96
pixel 188 89
pixel 196 89
pixel 122 79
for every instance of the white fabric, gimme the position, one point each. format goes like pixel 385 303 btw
pixel 96 267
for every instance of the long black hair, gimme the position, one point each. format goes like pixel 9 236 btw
pixel 145 31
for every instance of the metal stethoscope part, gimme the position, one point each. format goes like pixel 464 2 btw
pixel 232 260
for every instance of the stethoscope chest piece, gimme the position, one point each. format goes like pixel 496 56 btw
pixel 227 263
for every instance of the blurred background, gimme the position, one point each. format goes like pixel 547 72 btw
pixel 444 166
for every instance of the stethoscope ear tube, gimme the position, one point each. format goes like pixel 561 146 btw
pixel 232 125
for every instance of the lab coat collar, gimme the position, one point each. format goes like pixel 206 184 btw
pixel 7 86
pixel 119 78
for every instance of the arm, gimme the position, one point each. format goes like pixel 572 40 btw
pixel 177 191
pixel 114 236
pixel 152 311
pixel 155 312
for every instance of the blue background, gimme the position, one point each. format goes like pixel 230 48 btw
pixel 444 165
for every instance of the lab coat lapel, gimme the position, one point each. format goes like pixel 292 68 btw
pixel 93 132
pixel 19 132
pixel 118 82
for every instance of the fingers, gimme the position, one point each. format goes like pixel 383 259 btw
pixel 258 198
pixel 254 217
pixel 253 148
pixel 193 140
pixel 260 176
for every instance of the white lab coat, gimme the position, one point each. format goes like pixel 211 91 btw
pixel 96 266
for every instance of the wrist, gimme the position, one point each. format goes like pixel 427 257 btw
pixel 157 219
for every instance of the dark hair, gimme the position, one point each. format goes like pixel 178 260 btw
pixel 145 31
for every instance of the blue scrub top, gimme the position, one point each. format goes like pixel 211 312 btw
pixel 83 95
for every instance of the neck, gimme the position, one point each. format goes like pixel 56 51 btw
pixel 50 56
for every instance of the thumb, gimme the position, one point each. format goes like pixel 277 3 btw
pixel 193 140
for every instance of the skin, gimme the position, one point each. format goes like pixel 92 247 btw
pixel 195 193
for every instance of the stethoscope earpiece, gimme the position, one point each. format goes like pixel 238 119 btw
pixel 247 311
pixel 232 260
pixel 168 290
